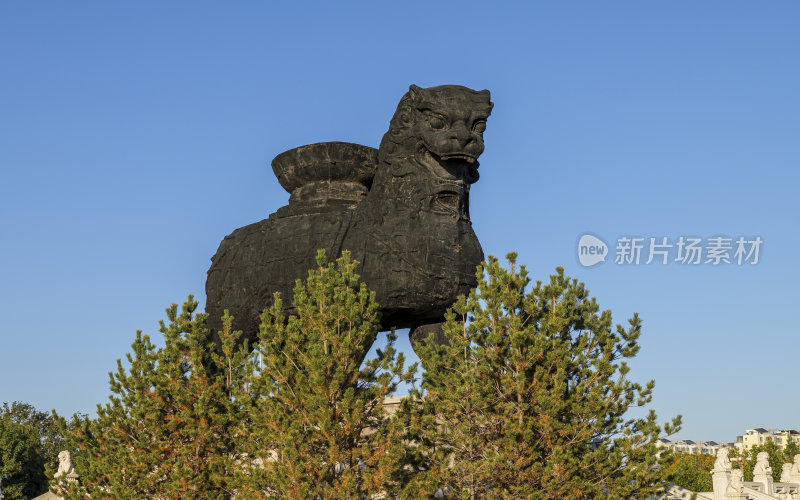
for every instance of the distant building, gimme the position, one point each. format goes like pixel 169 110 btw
pixel 761 436
pixel 692 447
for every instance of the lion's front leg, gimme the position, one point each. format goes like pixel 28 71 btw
pixel 420 333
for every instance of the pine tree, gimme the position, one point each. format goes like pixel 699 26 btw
pixel 316 426
pixel 167 431
pixel 529 399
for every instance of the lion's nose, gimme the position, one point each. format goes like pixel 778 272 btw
pixel 461 135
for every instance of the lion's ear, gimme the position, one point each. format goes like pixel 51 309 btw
pixel 414 92
pixel 488 98
pixel 485 94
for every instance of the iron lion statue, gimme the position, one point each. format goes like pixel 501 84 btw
pixel 401 210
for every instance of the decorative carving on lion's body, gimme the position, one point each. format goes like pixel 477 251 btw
pixel 403 212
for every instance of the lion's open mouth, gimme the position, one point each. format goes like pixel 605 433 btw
pixel 451 166
pixel 455 159
pixel 459 157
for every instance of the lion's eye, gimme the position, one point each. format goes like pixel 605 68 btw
pixel 479 127
pixel 436 121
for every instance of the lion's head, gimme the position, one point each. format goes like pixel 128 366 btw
pixel 439 127
pixel 762 463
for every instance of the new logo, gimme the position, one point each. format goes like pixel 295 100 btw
pixel 591 250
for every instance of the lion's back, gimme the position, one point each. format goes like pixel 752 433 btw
pixel 257 260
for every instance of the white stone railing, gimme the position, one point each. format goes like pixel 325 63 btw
pixel 728 483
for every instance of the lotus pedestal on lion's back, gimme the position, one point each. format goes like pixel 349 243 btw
pixel 402 211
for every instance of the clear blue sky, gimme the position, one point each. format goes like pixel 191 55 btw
pixel 135 135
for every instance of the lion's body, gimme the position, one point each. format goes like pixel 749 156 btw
pixel 411 233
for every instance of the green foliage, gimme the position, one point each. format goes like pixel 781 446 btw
pixel 22 462
pixel 776 460
pixel 790 451
pixel 692 472
pixel 529 399
pixel 316 427
pixel 29 444
pixel 167 431
pixel 51 439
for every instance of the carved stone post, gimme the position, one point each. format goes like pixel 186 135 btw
pixel 66 468
pixel 787 476
pixel 786 473
pixel 762 473
pixel 721 479
pixel 735 490
pixel 721 474
pixel 796 470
